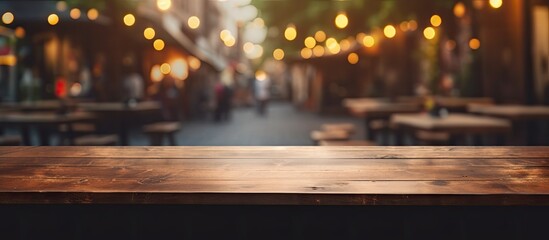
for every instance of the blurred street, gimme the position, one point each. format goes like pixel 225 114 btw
pixel 283 126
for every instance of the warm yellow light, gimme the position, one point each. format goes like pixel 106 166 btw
pixel 156 74
pixel 474 43
pixel 290 33
pixel 353 58
pixel 75 13
pixel 230 41
pixel 334 49
pixel 341 20
pixel 278 54
pixel 8 60
pixel 129 19
pixel 412 25
pixel 193 22
pixel 163 4
pixel 345 44
pixel 429 33
pixel 261 75
pixel 436 20
pixel 149 33
pixel 320 36
pixel 331 42
pixel 496 3
pixel 225 34
pixel 310 42
pixel 459 9
pixel 369 41
pixel 158 44
pixel 19 32
pixel 194 63
pixel 7 18
pixel 404 26
pixel 248 47
pixel 165 68
pixel 318 51
pixel 53 19
pixel 389 31
pixel 179 69
pixel 306 53
pixel 93 14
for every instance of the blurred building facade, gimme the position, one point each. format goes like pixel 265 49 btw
pixel 85 49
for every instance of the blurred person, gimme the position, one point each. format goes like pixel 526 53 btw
pixel 133 85
pixel 223 95
pixel 261 90
pixel 168 95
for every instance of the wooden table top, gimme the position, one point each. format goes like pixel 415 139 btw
pixel 513 112
pixel 455 123
pixel 44 118
pixel 120 107
pixel 276 175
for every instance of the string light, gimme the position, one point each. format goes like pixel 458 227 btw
pixel 290 33
pixel 7 18
pixel 310 42
pixel 75 13
pixel 496 3
pixel 389 31
pixel 352 58
pixel 436 20
pixel 193 22
pixel 129 19
pixel 341 21
pixel 158 44
pixel 149 33
pixel 53 19
pixel 93 14
pixel 278 54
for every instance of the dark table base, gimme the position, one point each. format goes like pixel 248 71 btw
pixel 270 222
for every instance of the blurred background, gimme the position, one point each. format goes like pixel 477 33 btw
pixel 274 72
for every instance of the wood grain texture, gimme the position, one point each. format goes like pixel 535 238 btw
pixel 276 175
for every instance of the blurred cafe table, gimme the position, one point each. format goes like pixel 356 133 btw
pixel 45 122
pixel 522 116
pixel 378 108
pixel 39 106
pixel 122 115
pixel 455 124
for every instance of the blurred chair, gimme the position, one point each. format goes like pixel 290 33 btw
pixel 157 132
pixel 10 140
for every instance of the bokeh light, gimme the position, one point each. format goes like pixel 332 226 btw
pixel 129 19
pixel 290 33
pixel 436 20
pixel 193 22
pixel 496 3
pixel 310 42
pixel 389 31
pixel 158 44
pixel 341 21
pixel 278 54
pixel 75 13
pixel 53 19
pixel 149 33
pixel 352 58
pixel 7 18
pixel 429 33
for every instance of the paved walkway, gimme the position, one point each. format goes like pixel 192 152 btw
pixel 283 126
